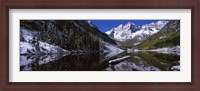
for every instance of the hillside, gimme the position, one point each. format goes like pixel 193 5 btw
pixel 58 36
pixel 168 36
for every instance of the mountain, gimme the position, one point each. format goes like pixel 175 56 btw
pixel 61 36
pixel 168 36
pixel 132 31
pixel 123 32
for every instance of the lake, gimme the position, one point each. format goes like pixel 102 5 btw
pixel 137 61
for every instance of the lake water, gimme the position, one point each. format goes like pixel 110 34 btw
pixel 139 61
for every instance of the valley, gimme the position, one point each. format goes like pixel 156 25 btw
pixel 79 45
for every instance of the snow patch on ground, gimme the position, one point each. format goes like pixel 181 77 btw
pixel 162 37
pixel 26 48
pixel 40 48
pixel 27 35
pixel 48 48
pixel 137 43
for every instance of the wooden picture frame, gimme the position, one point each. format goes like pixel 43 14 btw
pixel 99 4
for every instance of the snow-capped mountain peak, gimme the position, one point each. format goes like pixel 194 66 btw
pixel 131 26
pixel 161 22
pixel 154 25
pixel 131 30
pixel 123 32
pixel 120 26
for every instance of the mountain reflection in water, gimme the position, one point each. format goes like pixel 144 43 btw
pixel 140 61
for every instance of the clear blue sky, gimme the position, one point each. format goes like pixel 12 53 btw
pixel 105 25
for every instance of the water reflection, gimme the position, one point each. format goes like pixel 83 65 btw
pixel 147 61
pixel 140 61
pixel 62 63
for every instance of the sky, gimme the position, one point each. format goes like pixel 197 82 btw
pixel 105 25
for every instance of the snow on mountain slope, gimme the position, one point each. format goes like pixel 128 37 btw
pixel 130 30
pixel 40 48
pixel 27 35
pixel 30 44
pixel 26 47
pixel 123 32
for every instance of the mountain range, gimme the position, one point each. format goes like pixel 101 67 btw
pixel 133 31
pixel 148 36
